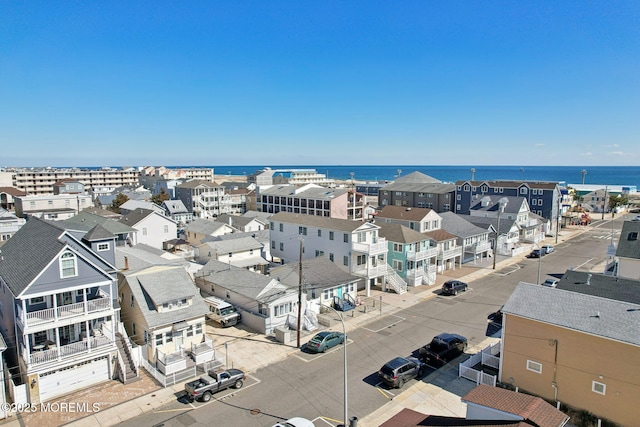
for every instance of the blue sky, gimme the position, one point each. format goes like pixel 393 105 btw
pixel 91 83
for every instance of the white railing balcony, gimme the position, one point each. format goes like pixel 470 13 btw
pixel 370 271
pixel 47 315
pixel 422 254
pixel 450 253
pixel 66 351
pixel 479 247
pixel 379 247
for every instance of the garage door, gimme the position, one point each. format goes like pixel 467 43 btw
pixel 68 380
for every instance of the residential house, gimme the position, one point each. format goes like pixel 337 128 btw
pixel 507 237
pixel 475 241
pixel 132 193
pixel 311 199
pixel 262 237
pixel 9 225
pixel 543 197
pixel 240 200
pixel 265 303
pixel 411 254
pixel 131 205
pixel 59 319
pixel 166 185
pixel 596 201
pixel 177 211
pixel 324 284
pixel 532 227
pixel 244 224
pixel 52 207
pixel 575 344
pixel 85 221
pixel 199 229
pixel 163 311
pixel 7 195
pixel 353 245
pixel 429 222
pixel 628 251
pixel 243 252
pixel 418 190
pixel 268 176
pixel 153 228
pixel 204 199
pixel 68 186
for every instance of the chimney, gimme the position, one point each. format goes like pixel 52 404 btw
pixel 589 279
pixel 126 263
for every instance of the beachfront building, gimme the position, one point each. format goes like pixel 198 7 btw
pixel 420 191
pixel 312 199
pixel 268 176
pixel 353 245
pixel 543 198
pixel 40 181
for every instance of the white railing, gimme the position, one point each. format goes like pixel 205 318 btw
pixel 170 379
pixel 371 248
pixel 396 282
pixel 47 315
pixel 423 254
pixel 450 253
pixel 66 351
pixel 466 370
pixel 122 368
pixel 479 247
pixel 370 271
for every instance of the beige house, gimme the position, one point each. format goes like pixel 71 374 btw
pixel 580 349
pixel 628 251
pixel 163 311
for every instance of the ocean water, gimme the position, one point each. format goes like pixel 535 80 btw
pixel 601 175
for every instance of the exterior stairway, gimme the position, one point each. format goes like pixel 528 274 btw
pixel 396 282
pixel 127 370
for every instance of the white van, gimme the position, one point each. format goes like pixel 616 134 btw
pixel 222 312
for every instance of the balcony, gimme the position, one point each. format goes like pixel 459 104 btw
pixel 450 253
pixel 56 354
pixel 422 254
pixel 380 247
pixel 370 271
pixel 478 247
pixel 35 318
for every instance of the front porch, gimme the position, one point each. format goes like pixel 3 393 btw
pixel 51 353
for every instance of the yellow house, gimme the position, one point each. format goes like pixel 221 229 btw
pixel 162 309
pixel 576 347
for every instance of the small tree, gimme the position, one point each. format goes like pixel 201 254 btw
pixel 615 201
pixel 160 197
pixel 118 201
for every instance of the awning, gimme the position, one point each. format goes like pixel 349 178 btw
pixel 180 326
pixel 246 262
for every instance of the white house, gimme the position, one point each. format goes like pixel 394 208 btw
pixel 243 252
pixel 153 228
pixel 199 229
pixel 353 245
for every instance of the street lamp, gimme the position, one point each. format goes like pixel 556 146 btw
pixel 344 331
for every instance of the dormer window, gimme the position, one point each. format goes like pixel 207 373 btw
pixel 68 265
pixel 633 235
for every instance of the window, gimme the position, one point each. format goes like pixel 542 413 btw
pixel 331 257
pixel 345 260
pixel 345 238
pixel 132 301
pixel 281 227
pixel 361 260
pixel 397 265
pixel 459 197
pixel 397 247
pixel 319 233
pixel 159 339
pixel 331 235
pixel 133 328
pixel 103 247
pixel 534 366
pixel 198 328
pixel 302 230
pixel 534 202
pixel 273 244
pixel 281 246
pixel 68 265
pixel 523 190
pixel 144 231
pixel 36 300
pixel 282 309
pixel 599 388
pixel 166 229
pixel 230 254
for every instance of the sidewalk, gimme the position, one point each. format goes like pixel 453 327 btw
pixel 437 394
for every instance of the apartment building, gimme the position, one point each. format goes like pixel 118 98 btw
pixel 268 176
pixel 204 199
pixel 353 245
pixel 40 181
pixel 419 191
pixel 53 207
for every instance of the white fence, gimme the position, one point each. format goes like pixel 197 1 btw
pixel 486 357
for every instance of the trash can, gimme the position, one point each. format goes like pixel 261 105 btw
pixel 283 335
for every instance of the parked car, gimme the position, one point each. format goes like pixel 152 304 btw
pixel 496 317
pixel 204 387
pixel 552 283
pixel 547 249
pixel 443 348
pixel 325 340
pixel 396 372
pixel 452 287
pixel 295 422
pixel 536 253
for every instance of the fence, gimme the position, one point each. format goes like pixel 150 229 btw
pixel 486 357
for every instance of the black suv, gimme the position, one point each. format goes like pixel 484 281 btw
pixel 398 371
pixel 452 287
pixel 443 348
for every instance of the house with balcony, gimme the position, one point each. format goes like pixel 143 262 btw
pixel 474 241
pixel 177 211
pixel 9 225
pixel 628 252
pixel 354 246
pixel 577 343
pixel 264 303
pixel 7 195
pixel 154 228
pixel 86 220
pixel 411 254
pixel 164 313
pixel 417 190
pixel 506 239
pixel 59 312
pixel 243 252
pixel 204 199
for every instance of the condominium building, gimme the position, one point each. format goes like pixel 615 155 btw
pixel 39 181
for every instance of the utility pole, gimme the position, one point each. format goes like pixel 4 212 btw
pixel 604 201
pixel 558 218
pixel 300 292
pixel 495 252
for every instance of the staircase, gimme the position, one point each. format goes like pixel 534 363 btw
pixel 127 370
pixel 396 282
pixel 347 303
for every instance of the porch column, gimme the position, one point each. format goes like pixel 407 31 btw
pixel 58 341
pixel 84 300
pixel 24 313
pixel 86 328
pixel 55 306
pixel 27 345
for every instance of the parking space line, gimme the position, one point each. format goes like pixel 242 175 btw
pixel 402 319
pixel 385 393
